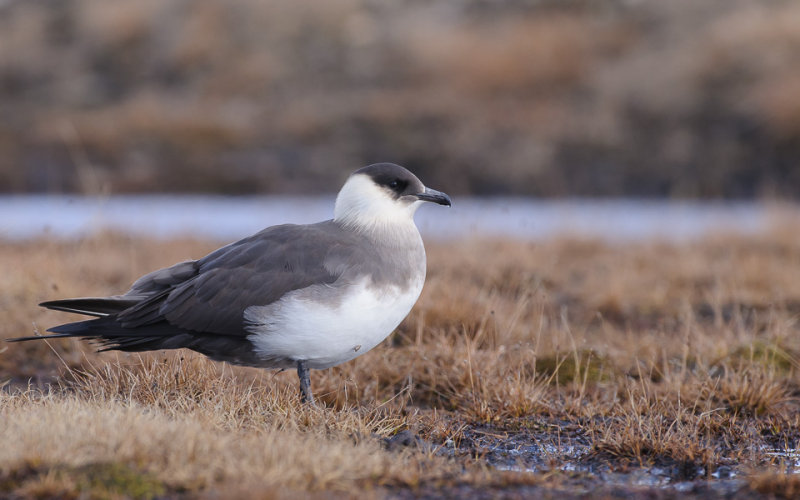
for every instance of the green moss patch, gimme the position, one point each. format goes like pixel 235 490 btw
pixel 96 481
pixel 584 365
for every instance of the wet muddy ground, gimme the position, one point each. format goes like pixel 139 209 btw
pixel 563 464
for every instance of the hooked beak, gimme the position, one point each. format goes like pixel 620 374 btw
pixel 434 196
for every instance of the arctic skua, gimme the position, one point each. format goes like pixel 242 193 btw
pixel 289 296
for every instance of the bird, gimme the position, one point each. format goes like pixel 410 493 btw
pixel 290 296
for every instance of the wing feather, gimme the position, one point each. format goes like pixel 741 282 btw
pixel 211 294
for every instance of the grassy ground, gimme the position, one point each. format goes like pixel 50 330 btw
pixel 682 357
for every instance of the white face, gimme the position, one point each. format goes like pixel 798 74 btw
pixel 364 204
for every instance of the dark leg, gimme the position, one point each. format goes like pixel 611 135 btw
pixel 305 383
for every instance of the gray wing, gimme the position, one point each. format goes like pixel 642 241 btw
pixel 211 294
pixel 163 279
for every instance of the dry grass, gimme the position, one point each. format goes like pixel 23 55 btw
pixel 653 353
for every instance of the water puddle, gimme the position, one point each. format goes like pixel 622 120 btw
pixel 787 458
pixel 571 453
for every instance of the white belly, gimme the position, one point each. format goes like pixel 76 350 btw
pixel 313 326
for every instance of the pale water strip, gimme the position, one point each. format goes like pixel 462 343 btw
pixel 225 218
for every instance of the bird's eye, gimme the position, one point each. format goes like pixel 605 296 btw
pixel 396 185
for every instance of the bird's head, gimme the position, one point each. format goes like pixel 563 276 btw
pixel 382 194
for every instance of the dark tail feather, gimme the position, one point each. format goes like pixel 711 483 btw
pixel 78 329
pixel 111 335
pixel 92 306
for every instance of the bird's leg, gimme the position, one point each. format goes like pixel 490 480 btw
pixel 305 383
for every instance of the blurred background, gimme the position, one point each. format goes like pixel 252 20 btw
pixel 550 98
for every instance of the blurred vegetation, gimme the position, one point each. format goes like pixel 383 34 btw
pixel 547 98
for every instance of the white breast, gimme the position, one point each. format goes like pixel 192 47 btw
pixel 324 329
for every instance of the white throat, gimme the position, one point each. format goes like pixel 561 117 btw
pixel 364 206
